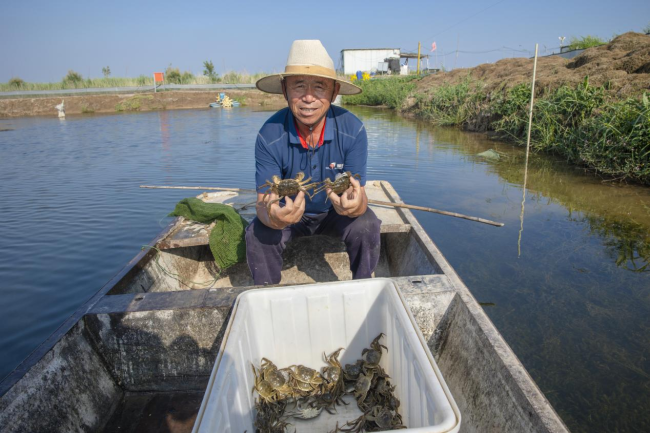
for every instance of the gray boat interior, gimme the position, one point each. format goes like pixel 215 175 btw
pixel 138 356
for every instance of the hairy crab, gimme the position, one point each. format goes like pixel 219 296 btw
pixel 263 387
pixel 305 409
pixel 306 379
pixel 339 186
pixel 270 417
pixel 287 187
pixel 372 356
pixel 385 418
pixel 278 379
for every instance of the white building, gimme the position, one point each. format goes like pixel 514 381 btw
pixel 366 59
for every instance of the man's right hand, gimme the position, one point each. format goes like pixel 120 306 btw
pixel 277 217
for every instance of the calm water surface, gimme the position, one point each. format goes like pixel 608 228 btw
pixel 572 297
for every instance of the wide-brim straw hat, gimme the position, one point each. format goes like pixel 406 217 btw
pixel 307 57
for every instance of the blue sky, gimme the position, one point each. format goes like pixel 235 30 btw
pixel 42 40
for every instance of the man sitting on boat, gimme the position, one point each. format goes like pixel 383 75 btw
pixel 318 139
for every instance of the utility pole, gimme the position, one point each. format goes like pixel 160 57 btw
pixel 418 58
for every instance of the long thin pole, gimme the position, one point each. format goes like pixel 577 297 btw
pixel 382 203
pixel 418 58
pixel 441 212
pixel 208 188
pixel 530 124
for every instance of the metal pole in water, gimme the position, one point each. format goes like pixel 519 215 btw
pixel 530 123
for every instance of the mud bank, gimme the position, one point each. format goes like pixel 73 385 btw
pixel 168 100
pixel 622 66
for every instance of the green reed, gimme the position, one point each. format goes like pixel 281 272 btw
pixel 453 104
pixel 583 123
pixel 388 91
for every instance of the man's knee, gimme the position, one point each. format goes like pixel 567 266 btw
pixel 258 233
pixel 366 227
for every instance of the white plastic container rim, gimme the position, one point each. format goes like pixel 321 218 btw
pixel 302 316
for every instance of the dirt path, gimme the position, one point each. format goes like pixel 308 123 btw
pixel 169 100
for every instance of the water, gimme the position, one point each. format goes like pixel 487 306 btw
pixel 572 297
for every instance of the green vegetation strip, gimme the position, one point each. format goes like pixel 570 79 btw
pixel 584 124
pixel 74 80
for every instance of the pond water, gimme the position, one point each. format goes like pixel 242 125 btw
pixel 570 293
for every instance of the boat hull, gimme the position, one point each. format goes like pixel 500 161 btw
pixel 146 343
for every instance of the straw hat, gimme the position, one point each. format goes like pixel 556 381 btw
pixel 306 57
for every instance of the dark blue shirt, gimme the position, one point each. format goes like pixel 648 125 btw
pixel 278 152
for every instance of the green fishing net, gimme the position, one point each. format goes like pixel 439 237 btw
pixel 227 241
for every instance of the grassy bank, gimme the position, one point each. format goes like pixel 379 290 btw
pixel 583 123
pixel 76 81
pixel 387 91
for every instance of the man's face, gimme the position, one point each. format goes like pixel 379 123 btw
pixel 309 97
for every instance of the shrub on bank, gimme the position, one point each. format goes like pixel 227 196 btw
pixel 16 83
pixel 617 140
pixel 172 75
pixel 453 104
pixel 73 79
pixel 388 91
pixel 581 124
pixel 585 42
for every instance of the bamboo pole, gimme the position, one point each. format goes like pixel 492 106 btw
pixel 377 202
pixel 208 188
pixel 530 124
pixel 441 212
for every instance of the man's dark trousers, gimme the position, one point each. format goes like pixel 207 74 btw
pixel 264 245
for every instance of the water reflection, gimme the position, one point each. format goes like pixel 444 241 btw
pixel 618 213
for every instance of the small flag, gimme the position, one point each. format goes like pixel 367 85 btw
pixel 433 47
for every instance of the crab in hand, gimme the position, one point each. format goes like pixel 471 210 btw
pixel 287 187
pixel 340 184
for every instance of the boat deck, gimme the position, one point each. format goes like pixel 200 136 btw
pixel 306 260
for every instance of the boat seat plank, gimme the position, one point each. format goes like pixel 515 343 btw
pixel 191 233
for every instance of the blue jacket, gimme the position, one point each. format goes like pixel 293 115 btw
pixel 278 151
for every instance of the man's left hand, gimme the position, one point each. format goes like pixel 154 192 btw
pixel 352 203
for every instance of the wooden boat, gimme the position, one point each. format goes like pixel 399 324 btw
pixel 138 355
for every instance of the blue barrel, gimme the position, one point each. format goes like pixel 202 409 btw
pixel 222 95
pixel 359 75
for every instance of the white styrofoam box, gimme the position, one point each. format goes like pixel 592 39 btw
pixel 295 325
